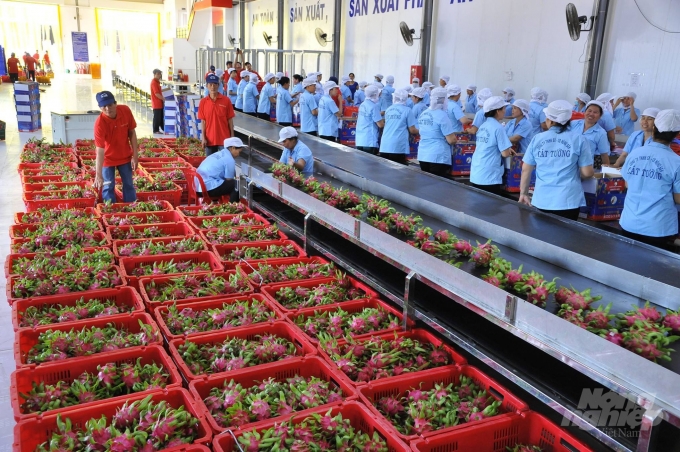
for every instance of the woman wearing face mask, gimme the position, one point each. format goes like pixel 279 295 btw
pixel 561 159
pixel 482 96
pixel 415 82
pixel 436 136
pixel 399 122
pixel 486 169
pixel 581 101
pixel 471 102
pixel 596 136
pixel 519 129
pixel 639 138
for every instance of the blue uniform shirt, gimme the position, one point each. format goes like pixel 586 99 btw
pixel 434 126
pixel 346 92
pixel 298 88
pixel 607 121
pixel 637 140
pixel 582 110
pixel 479 119
pixel 265 105
pixel 308 122
pixel 418 109
pixel 215 169
pixel 328 122
pixel 596 136
pixel 300 151
pixel 359 97
pixel 536 116
pixel 471 104
pixel 409 102
pixel 455 114
pixel 386 98
pixel 508 108
pixel 250 98
pixel 522 128
pixel 426 98
pixel 239 93
pixel 232 86
pixel 367 129
pixel 558 158
pixel 652 173
pixel 284 112
pixel 487 163
pixel 622 119
pixel 398 118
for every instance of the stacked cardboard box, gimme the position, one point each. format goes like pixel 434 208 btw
pixel 169 112
pixel 195 127
pixel 605 195
pixel 27 103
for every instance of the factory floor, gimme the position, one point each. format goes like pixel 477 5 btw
pixel 67 93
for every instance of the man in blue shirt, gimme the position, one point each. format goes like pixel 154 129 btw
pixel 285 103
pixel 295 152
pixel 218 171
pixel 455 112
pixel 360 95
pixel 309 109
pixel 329 113
pixel 345 90
pixel 652 175
pixel 267 97
pixel 232 86
pixel 471 102
pixel 626 116
pixel 245 78
pixel 369 121
pixel 519 128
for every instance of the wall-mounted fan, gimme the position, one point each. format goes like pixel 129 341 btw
pixel 407 33
pixel 574 22
pixel 268 39
pixel 322 37
pixel 233 41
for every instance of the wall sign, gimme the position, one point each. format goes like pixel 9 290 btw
pixel 358 8
pixel 80 51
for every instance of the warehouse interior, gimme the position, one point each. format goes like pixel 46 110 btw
pixel 301 274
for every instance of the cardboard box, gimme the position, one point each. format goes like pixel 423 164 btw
pixel 462 158
pixel 513 174
pixel 463 137
pixel 605 195
pixel 413 145
pixel 168 94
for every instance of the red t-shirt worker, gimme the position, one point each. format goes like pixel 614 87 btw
pixel 217 116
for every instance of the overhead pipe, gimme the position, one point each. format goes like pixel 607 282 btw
pixel 337 27
pixel 592 69
pixel 426 37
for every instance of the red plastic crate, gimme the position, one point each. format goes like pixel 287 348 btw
pixel 172 196
pixel 12 258
pixel 118 244
pixel 15 230
pixel 128 264
pixel 270 290
pixel 203 233
pixel 159 159
pixel 100 208
pixel 32 204
pixel 160 314
pixel 160 165
pixel 22 380
pixel 351 307
pixel 30 187
pixel 28 435
pixel 222 250
pixel 36 166
pixel 26 339
pixel 162 280
pixel 192 211
pixel 421 336
pixel 306 367
pixel 98 235
pixel 124 296
pixel 196 222
pixel 495 436
pixel 191 160
pixel 28 179
pixel 90 211
pixel 171 216
pixel 167 229
pixel 359 416
pixel 398 386
pixel 250 270
pixel 280 329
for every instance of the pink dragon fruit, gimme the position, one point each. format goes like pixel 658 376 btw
pixel 514 276
pixel 614 337
pixel 649 340
pixel 647 312
pixel 572 315
pixel 484 253
pixel 463 247
pixel 672 320
pixel 599 319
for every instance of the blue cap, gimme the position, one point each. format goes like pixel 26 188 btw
pixel 212 68
pixel 212 78
pixel 105 98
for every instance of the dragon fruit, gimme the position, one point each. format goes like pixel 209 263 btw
pixel 598 320
pixel 524 448
pixel 647 312
pixel 649 340
pixel 463 247
pixel 562 294
pixel 580 300
pixel 672 320
pixel 539 295
pixel 572 315
pixel 614 337
pixel 484 253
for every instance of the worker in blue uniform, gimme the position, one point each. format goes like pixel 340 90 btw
pixel 329 113
pixel 409 90
pixel 360 95
pixel 471 101
pixel 639 138
pixel 561 159
pixel 285 103
pixel 539 99
pixel 482 96
pixel 232 86
pixel 607 119
pixel 267 97
pixel 399 125
pixel 297 84
pixel 486 168
pixel 295 152
pixel 369 121
pixel 436 136
pixel 627 115
pixel 454 110
pixel 347 96
pixel 250 96
pixel 309 109
pixel 581 100
pixel 386 94
pixel 519 128
pixel 418 104
pixel 509 97
pixel 591 130
pixel 652 175
pixel 245 77
pixel 428 89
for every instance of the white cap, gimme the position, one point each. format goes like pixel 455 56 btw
pixel 408 88
pixel 254 79
pixel 446 79
pixel 559 111
pixel 522 105
pixel 472 87
pixel 427 85
pixel 309 81
pixel 268 77
pixel 219 72
pixel 584 97
pixel 418 92
pixel 328 86
pixel 453 90
pixel 314 74
pixel 668 121
pixel 380 76
pixel 363 84
pixel 230 70
pixel 605 97
pixel 438 93
pixel 278 76
pixel 377 85
pixel 244 73
pixel 509 91
pixel 494 103
pixel 631 94
pixel 234 141
pixel 372 92
pixel 536 93
pixel 415 80
pixel 400 97
pixel 390 79
pixel 344 79
pixel 651 112
pixel 287 132
pixel 596 102
pixel 483 95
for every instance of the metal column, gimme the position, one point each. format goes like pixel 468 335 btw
pixel 337 26
pixel 592 69
pixel 279 57
pixel 242 24
pixel 426 40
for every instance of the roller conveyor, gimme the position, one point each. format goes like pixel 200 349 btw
pixel 621 270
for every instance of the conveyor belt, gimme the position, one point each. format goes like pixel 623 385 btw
pixel 611 249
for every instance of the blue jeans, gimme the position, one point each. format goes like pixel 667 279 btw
pixel 109 175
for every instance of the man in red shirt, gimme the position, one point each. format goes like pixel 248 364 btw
pixel 46 61
pixel 13 68
pixel 217 117
pixel 157 102
pixel 30 66
pixel 36 57
pixel 116 142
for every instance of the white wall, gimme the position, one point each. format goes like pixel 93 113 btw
pixel 301 19
pixel 632 45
